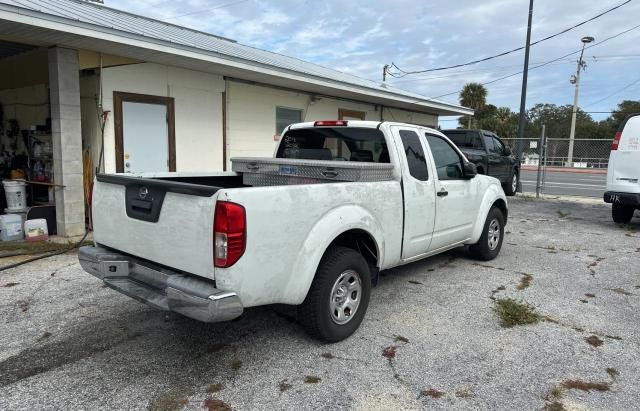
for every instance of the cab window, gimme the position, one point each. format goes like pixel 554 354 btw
pixel 448 162
pixel 415 155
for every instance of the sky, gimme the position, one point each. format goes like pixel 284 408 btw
pixel 360 37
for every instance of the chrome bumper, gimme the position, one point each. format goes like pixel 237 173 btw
pixel 159 287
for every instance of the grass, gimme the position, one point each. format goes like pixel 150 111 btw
pixel 585 385
pixel 613 373
pixel 594 340
pixel 173 400
pixel 513 313
pixel 433 393
pixel 236 364
pixel 214 404
pixel 327 355
pixel 284 385
pixel 12 248
pixel 312 379
pixel 399 338
pixel 554 406
pixel 214 388
pixel 525 281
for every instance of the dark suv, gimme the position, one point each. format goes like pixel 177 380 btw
pixel 490 155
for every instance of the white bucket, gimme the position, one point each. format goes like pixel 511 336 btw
pixel 16 193
pixel 10 227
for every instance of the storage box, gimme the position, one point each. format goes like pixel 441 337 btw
pixel 258 171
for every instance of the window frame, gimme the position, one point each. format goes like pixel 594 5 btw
pixel 299 110
pixel 424 153
pixel 455 149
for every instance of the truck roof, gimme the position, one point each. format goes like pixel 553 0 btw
pixel 355 123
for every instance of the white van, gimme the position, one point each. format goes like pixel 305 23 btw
pixel 623 175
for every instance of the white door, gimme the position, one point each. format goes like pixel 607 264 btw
pixel 419 193
pixel 145 137
pixel 456 197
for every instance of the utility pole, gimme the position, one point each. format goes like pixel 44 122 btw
pixel 576 80
pixel 523 93
pixel 385 69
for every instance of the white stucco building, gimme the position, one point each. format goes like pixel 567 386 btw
pixel 172 98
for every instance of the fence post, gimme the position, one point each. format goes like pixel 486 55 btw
pixel 541 155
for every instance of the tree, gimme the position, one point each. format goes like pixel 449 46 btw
pixel 624 108
pixel 473 95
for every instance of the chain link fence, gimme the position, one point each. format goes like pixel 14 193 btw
pixel 587 153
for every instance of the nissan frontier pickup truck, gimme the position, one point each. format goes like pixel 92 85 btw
pixel 311 226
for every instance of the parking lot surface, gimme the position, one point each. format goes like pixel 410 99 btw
pixel 431 338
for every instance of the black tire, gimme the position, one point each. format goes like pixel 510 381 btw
pixel 315 312
pixel 621 213
pixel 482 250
pixel 511 187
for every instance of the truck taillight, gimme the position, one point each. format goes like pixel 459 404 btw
pixel 616 141
pixel 230 232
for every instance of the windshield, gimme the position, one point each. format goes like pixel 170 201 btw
pixel 339 144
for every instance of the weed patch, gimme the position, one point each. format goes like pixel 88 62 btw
pixel 620 291
pixel 9 285
pixel 513 313
pixel 327 355
pixel 44 336
pixel 613 373
pixel 214 404
pixel 389 353
pixel 590 295
pixel 554 406
pixel 214 388
pixel 312 379
pixel 433 393
pixel 525 281
pixel 594 340
pixel 284 385
pixel 401 339
pixel 585 385
pixel 173 400
pixel 236 364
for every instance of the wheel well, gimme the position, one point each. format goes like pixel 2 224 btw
pixel 360 241
pixel 500 204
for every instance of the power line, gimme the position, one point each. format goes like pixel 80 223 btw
pixel 405 73
pixel 548 62
pixel 233 3
pixel 614 93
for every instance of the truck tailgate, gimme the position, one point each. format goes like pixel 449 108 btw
pixel 169 223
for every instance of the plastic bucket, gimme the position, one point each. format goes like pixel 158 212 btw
pixel 36 230
pixel 16 193
pixel 10 227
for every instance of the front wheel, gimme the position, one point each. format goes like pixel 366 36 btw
pixel 490 243
pixel 622 214
pixel 339 296
pixel 512 186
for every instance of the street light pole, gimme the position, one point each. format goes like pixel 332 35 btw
pixel 581 66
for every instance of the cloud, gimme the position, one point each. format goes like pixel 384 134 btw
pixel 359 37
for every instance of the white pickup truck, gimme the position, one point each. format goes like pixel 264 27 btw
pixel 312 226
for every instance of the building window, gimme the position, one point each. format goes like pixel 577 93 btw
pixel 344 114
pixel 286 116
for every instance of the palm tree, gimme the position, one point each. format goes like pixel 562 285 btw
pixel 473 95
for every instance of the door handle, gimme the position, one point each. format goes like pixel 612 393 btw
pixel 443 193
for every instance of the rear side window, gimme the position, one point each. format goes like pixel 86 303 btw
pixel 448 162
pixel 465 139
pixel 415 155
pixel 335 143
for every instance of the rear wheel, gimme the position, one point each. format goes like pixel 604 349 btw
pixel 490 243
pixel 621 213
pixel 512 186
pixel 339 296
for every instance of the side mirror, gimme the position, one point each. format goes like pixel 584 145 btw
pixel 470 170
pixel 507 150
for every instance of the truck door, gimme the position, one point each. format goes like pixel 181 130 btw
pixel 419 192
pixel 457 199
pixel 494 159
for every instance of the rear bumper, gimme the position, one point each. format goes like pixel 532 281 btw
pixel 631 199
pixel 159 287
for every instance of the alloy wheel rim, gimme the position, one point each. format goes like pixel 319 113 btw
pixel 494 234
pixel 514 182
pixel 345 297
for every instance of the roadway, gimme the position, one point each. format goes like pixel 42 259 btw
pixel 566 183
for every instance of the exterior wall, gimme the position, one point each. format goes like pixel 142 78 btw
pixel 251 116
pixel 198 110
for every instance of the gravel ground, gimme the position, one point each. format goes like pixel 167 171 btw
pixel 431 338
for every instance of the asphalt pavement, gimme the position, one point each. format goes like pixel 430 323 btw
pixel 431 338
pixel 566 183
